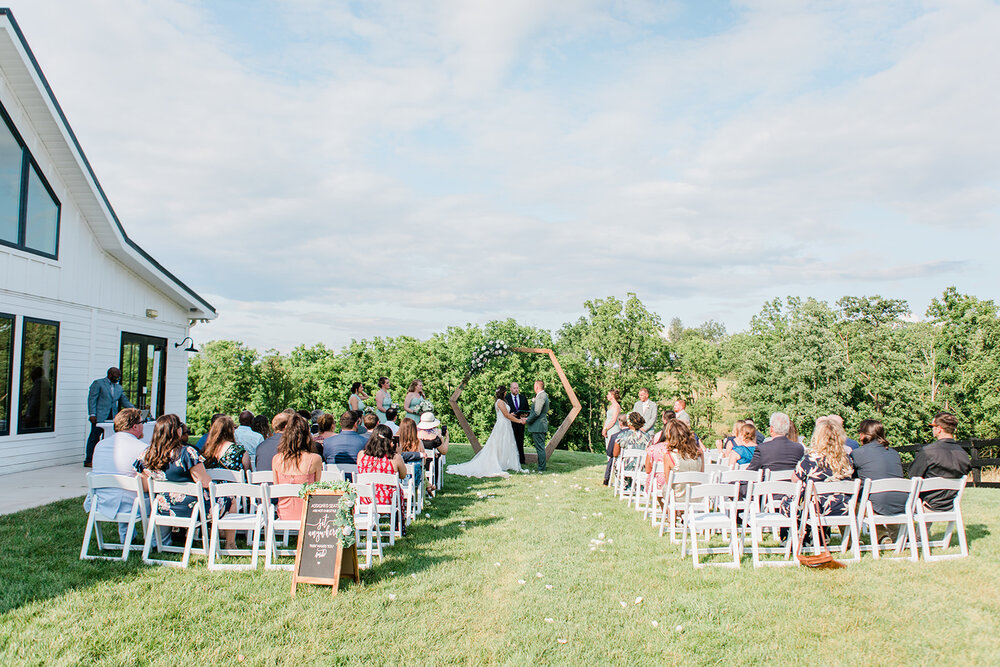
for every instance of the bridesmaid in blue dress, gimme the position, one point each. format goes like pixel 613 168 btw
pixel 382 399
pixel 356 402
pixel 414 395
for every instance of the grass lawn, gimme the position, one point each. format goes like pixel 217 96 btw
pixel 451 593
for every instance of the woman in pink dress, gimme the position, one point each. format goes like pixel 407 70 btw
pixel 295 463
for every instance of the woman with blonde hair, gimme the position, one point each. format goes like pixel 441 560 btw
pixel 825 460
pixel 740 449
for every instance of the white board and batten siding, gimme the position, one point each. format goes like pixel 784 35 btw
pixel 100 286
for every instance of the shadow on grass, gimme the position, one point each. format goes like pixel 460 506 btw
pixel 39 555
pixel 975 531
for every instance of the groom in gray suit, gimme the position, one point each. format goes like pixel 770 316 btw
pixel 537 423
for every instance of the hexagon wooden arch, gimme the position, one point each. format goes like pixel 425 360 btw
pixel 560 432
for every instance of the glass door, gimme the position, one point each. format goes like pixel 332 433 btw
pixel 144 371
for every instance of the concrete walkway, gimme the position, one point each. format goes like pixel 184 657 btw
pixel 24 490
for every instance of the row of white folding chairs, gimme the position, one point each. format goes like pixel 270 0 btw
pixel 255 512
pixel 629 476
pixel 712 503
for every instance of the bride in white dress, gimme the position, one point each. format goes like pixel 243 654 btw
pixel 499 454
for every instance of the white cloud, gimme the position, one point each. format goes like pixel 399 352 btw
pixel 396 168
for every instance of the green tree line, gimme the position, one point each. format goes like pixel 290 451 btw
pixel 862 357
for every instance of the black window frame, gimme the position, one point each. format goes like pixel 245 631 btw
pixel 8 390
pixel 22 430
pixel 28 162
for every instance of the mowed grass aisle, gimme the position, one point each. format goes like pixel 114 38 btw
pixel 451 592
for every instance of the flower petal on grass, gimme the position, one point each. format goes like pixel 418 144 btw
pixel 549 620
pixel 638 600
pixel 548 586
pixel 623 604
pixel 522 582
pixel 562 641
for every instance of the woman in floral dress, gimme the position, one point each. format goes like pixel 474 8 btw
pixel 826 460
pixel 168 460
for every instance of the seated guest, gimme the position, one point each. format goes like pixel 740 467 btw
pixel 267 449
pixel 634 438
pixel 942 458
pixel 327 425
pixel 726 441
pixel 117 456
pixel 740 451
pixel 261 425
pixel 345 446
pixel 793 432
pixel 167 460
pixel 412 451
pixel 873 459
pixel 370 421
pixel 391 415
pixel 610 450
pixel 379 455
pixel 432 435
pixel 680 408
pixel 434 439
pixel 200 445
pixel 359 417
pixel 678 451
pixel 246 436
pixel 667 416
pixel 221 449
pixel 185 433
pixel 295 463
pixel 778 453
pixel 826 460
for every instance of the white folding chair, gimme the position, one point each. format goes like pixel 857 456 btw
pixel 846 523
pixel 366 523
pixel 441 461
pixel 632 464
pixel 411 491
pixel 273 492
pixel 226 475
pixel 717 468
pixel 250 521
pixel 344 468
pixel 674 506
pixel 867 517
pixel 713 455
pixel 779 475
pixel 653 491
pixel 334 475
pixel 391 509
pixel 763 515
pixel 262 477
pixel 96 482
pixel 741 477
pixel 924 516
pixel 197 521
pixel 712 507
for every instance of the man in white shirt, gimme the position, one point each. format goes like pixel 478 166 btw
pixel 391 414
pixel 117 456
pixel 246 436
pixel 680 408
pixel 647 408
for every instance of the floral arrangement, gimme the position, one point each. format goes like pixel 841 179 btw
pixel 423 406
pixel 486 353
pixel 345 512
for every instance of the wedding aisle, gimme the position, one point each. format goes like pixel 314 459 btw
pixel 546 569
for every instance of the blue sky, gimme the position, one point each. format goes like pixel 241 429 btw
pixel 325 171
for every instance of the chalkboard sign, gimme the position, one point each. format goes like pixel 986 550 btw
pixel 319 558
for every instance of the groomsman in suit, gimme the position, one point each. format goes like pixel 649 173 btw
pixel 538 422
pixel 647 408
pixel 103 401
pixel 517 404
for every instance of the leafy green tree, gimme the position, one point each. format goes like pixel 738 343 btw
pixel 221 378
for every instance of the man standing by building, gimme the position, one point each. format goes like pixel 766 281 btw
pixel 518 405
pixel 680 411
pixel 647 408
pixel 104 399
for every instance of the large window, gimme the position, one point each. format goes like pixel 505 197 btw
pixel 39 359
pixel 6 361
pixel 29 210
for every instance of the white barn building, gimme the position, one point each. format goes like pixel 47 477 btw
pixel 76 294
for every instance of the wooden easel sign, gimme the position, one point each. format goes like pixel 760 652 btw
pixel 319 558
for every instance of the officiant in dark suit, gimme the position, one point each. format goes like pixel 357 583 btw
pixel 518 404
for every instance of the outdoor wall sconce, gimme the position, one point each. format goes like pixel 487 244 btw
pixel 190 348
